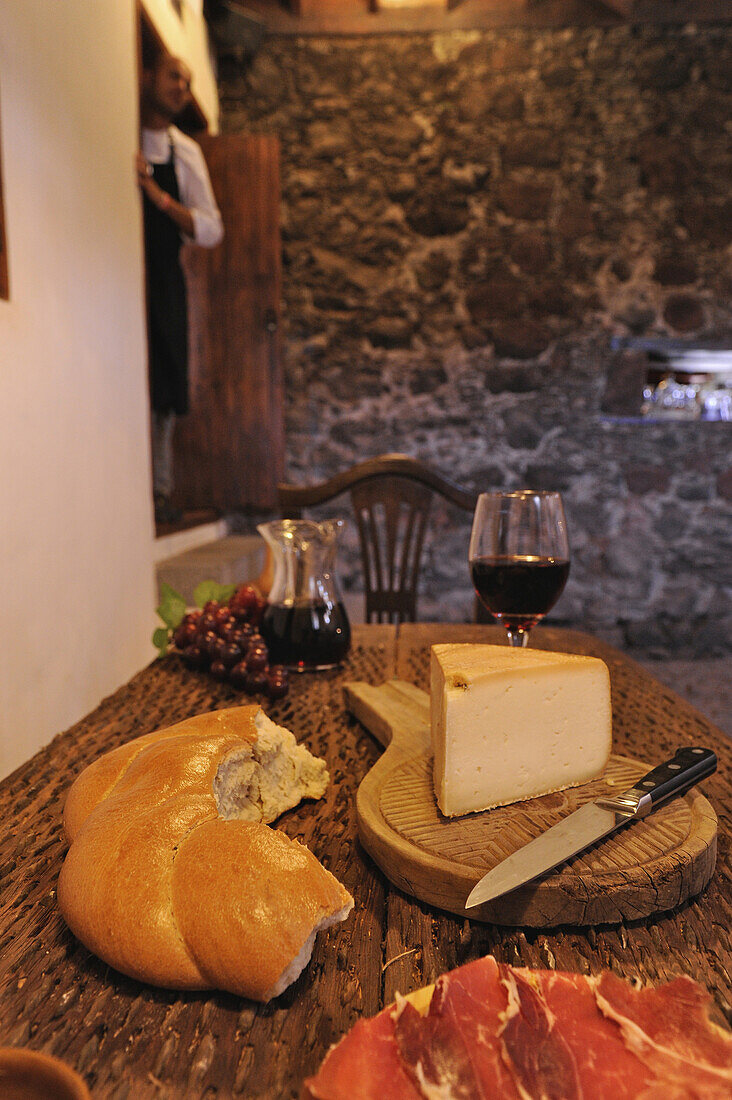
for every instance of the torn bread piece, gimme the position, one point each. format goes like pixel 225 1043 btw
pixel 262 779
pixel 174 878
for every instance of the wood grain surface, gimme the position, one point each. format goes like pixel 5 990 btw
pixel 133 1041
pixel 657 864
pixel 229 449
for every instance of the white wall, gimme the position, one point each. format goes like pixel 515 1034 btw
pixel 77 587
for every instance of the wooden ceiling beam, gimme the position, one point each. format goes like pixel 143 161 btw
pixel 622 7
pixel 307 17
pixel 390 5
pixel 563 10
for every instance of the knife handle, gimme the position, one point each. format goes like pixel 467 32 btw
pixel 687 767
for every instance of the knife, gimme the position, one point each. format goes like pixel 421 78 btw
pixel 594 821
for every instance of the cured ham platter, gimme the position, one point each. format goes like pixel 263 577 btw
pixel 489 1029
pixel 650 866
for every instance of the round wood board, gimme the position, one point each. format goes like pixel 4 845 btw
pixel 649 866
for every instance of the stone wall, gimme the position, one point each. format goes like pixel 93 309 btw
pixel 468 220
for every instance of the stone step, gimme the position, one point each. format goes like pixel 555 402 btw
pixel 173 543
pixel 233 559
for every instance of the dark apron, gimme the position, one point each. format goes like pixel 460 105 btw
pixel 167 313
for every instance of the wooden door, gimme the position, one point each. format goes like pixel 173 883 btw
pixel 229 449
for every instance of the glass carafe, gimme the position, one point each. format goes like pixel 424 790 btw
pixel 305 625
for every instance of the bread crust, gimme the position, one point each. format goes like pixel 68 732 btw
pixel 158 885
pixel 283 894
pixel 98 778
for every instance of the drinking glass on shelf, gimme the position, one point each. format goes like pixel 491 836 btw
pixel 519 557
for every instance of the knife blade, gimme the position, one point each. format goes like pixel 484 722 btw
pixel 593 822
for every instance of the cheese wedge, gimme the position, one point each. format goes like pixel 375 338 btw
pixel 511 724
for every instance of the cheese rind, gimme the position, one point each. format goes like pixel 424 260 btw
pixel 511 724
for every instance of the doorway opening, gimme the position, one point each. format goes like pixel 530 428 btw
pixel 228 449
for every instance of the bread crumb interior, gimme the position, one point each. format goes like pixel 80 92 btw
pixel 259 782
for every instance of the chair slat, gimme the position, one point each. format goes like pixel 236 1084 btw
pixel 391 497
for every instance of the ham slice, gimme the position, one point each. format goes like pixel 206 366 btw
pixel 542 1061
pixel 561 1045
pixel 493 1030
pixel 456 1047
pixel 669 1031
pixel 364 1065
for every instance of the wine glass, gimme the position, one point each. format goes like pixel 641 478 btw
pixel 519 557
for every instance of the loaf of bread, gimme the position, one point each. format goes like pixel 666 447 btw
pixel 173 876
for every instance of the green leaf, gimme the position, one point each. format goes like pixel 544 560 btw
pixel 212 590
pixel 172 606
pixel 160 640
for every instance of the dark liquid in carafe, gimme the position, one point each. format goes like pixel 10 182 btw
pixel 303 636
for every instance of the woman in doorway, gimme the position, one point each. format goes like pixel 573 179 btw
pixel 179 205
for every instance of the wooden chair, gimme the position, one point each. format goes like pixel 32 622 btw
pixel 391 498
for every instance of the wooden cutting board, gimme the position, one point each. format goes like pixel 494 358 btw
pixel 650 866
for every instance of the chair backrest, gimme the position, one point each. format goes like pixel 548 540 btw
pixel 391 497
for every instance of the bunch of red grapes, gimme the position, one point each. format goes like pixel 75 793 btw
pixel 224 638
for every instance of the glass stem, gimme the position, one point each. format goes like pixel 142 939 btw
pixel 519 638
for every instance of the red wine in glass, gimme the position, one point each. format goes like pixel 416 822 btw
pixel 519 557
pixel 519 591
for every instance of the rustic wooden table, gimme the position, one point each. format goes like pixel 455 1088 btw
pixel 129 1040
